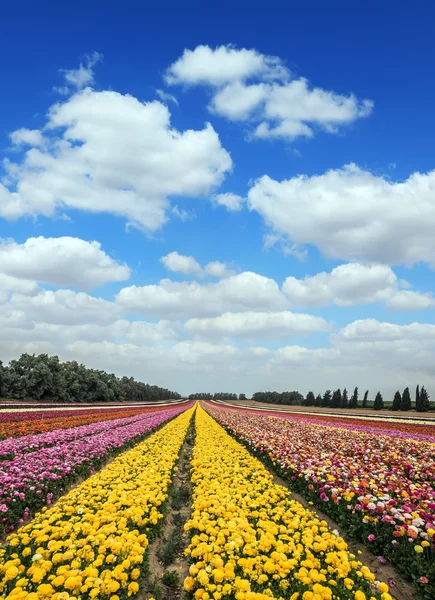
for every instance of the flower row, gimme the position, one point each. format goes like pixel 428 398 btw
pixel 29 443
pixel 32 480
pixel 22 425
pixel 379 488
pixel 92 543
pixel 251 541
pixel 410 430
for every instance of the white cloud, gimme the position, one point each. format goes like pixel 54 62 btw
pixel 165 97
pixel 60 261
pixel 179 263
pixel 222 65
pixel 9 284
pixel 106 152
pixel 351 285
pixel 243 292
pixel 371 330
pixel 218 269
pixel 84 75
pixel 352 214
pixel 233 202
pixel 31 137
pixel 65 307
pixel 247 85
pixel 408 300
pixel 272 325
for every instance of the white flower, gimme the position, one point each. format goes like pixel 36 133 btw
pixel 80 511
pixel 335 532
pixel 36 557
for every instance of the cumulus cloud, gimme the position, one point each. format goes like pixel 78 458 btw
pixel 243 292
pixel 84 75
pixel 354 284
pixel 180 263
pixel 31 137
pixel 352 214
pixel 59 261
pixel 233 202
pixel 247 85
pixel 65 307
pixel 272 325
pixel 207 66
pixel 105 152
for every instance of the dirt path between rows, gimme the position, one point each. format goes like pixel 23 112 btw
pixel 168 566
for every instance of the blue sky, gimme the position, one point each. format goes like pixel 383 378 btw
pixel 318 270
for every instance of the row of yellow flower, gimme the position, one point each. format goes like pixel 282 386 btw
pixel 251 541
pixel 92 543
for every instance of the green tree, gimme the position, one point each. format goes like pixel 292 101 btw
pixel 364 402
pixel 336 399
pixel 417 398
pixel 344 399
pixel 242 396
pixel 310 399
pixel 379 402
pixel 424 404
pixel 406 400
pixel 326 400
pixel 354 399
pixel 318 401
pixel 397 401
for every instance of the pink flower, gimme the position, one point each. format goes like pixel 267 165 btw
pixel 424 579
pixel 371 537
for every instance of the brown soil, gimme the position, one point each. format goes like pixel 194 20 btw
pixel 175 519
pixel 349 412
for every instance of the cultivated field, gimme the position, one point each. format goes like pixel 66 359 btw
pixel 215 502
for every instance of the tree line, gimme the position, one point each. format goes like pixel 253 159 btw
pixel 341 399
pixel 217 396
pixel 45 378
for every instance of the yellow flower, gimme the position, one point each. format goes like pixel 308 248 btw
pixel 418 549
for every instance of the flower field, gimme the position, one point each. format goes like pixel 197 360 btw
pixel 247 538
pixel 92 543
pixel 17 423
pixel 35 475
pixel 252 541
pixel 378 487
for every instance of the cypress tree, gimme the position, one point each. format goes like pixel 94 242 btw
pixel 364 402
pixel 318 400
pixel 397 401
pixel 379 402
pixel 326 400
pixel 336 399
pixel 424 404
pixel 354 399
pixel 344 399
pixel 417 398
pixel 406 400
pixel 310 399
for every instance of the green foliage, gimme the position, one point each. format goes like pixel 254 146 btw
pixel 242 396
pixel 424 403
pixel 310 400
pixel 379 402
pixel 287 398
pixel 171 578
pixel 326 400
pixel 171 547
pixel 318 401
pixel 336 399
pixel 397 401
pixel 406 400
pixel 417 399
pixel 44 378
pixel 364 402
pixel 353 403
pixel 344 399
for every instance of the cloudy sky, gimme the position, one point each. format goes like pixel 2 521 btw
pixel 234 201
